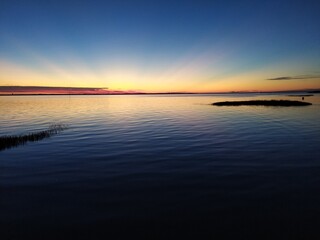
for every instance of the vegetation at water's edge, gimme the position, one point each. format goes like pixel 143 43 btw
pixel 14 141
pixel 282 103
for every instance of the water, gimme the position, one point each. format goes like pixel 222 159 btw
pixel 160 166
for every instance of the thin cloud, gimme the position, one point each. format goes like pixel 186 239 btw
pixel 59 90
pixel 295 77
pixel 41 88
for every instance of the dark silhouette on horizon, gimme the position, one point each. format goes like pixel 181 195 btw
pixel 281 103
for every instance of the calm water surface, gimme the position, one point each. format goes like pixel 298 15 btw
pixel 161 166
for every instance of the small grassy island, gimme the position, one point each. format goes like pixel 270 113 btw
pixel 14 141
pixel 280 103
pixel 300 95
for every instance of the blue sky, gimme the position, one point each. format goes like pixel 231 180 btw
pixel 160 45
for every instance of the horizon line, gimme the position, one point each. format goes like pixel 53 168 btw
pixel 59 90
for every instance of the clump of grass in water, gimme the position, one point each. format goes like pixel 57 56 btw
pixel 14 141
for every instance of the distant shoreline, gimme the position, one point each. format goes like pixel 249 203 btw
pixel 308 93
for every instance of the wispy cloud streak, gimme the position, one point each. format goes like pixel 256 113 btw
pixel 57 90
pixel 295 77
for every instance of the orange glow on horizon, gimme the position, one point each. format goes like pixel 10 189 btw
pixel 196 75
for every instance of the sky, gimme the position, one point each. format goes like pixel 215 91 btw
pixel 161 46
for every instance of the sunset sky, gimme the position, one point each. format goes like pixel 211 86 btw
pixel 161 46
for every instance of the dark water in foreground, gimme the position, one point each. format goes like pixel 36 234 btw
pixel 160 167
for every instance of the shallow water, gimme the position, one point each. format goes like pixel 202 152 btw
pixel 161 166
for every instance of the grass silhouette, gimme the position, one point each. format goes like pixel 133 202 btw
pixel 14 141
pixel 281 103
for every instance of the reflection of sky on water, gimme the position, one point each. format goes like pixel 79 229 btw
pixel 160 160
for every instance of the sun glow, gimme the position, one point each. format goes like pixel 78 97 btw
pixel 195 71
